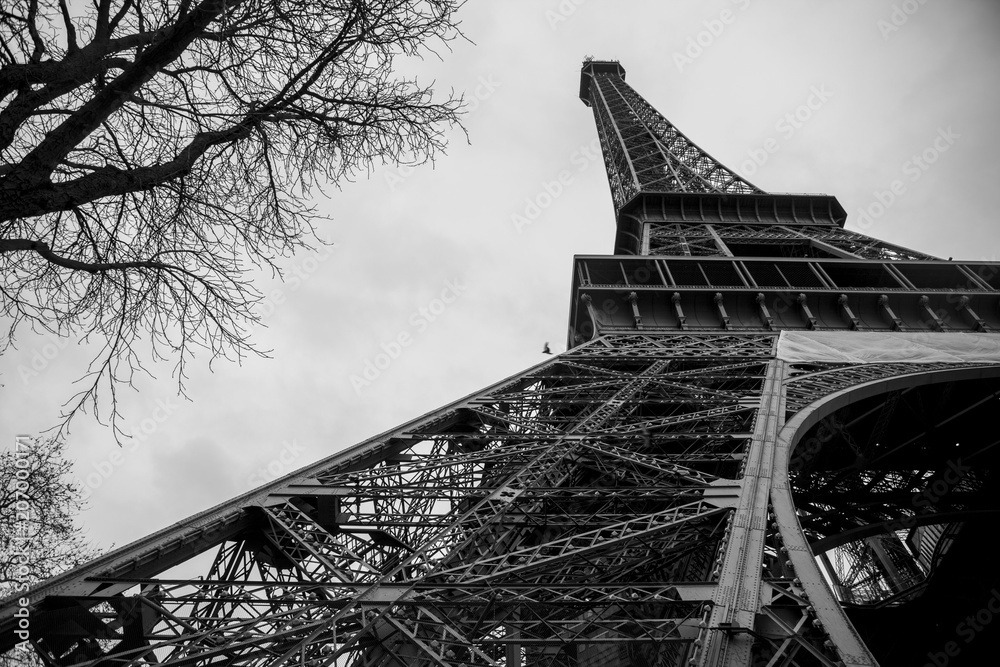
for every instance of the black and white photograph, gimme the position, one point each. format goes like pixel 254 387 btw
pixel 370 333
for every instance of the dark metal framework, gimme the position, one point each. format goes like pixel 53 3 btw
pixel 670 491
pixel 643 151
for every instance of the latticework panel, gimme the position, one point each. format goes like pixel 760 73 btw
pixel 880 488
pixel 604 508
pixel 814 381
pixel 859 245
pixel 682 239
pixel 644 152
pixel 562 517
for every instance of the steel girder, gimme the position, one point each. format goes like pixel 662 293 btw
pixel 645 153
pixel 725 240
pixel 576 512
pixel 842 527
pixel 611 504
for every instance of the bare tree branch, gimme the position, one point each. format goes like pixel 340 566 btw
pixel 38 508
pixel 153 156
pixel 39 534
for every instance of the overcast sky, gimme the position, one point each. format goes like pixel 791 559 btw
pixel 845 93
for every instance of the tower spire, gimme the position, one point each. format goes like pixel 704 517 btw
pixel 657 174
pixel 643 151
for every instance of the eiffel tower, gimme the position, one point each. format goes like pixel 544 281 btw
pixel 765 445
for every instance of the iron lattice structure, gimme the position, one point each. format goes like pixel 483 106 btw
pixel 643 151
pixel 719 471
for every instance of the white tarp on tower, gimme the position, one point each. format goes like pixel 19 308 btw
pixel 869 347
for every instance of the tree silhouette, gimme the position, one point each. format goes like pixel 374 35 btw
pixel 155 155
pixel 39 536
